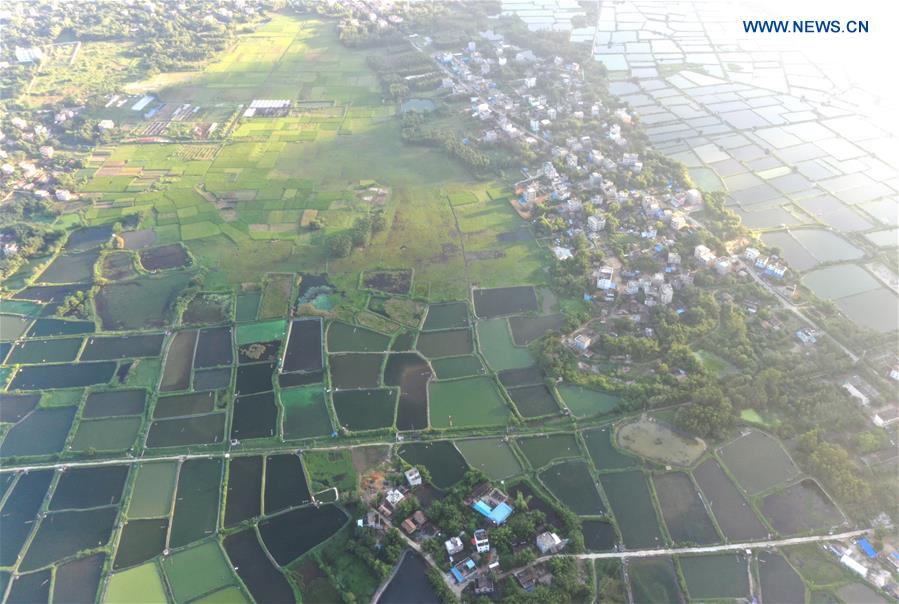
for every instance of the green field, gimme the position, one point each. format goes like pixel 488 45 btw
pixel 467 402
pixel 497 346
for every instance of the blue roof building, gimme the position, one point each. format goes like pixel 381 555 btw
pixel 866 547
pixel 497 515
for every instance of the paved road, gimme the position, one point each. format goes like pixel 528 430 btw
pixel 711 549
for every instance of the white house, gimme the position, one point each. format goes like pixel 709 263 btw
pixel 393 497
pixel 666 293
pixel 751 254
pixel 453 546
pixel 582 342
pixel 549 543
pixel 596 223
pixel 723 266
pixel 703 254
pixel 562 253
pixel 481 541
pixel 854 566
pixel 413 477
pixel 604 278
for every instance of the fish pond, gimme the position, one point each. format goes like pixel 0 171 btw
pixel 758 462
pixel 355 370
pixel 570 481
pixel 631 502
pixel 502 301
pixel 71 268
pixel 359 410
pixel 181 432
pixel 533 401
pixel 443 461
pixel 343 337
pixel 285 483
pixel 164 257
pixel 71 375
pixel 654 580
pixel 779 581
pixel 254 416
pixel 495 342
pixel 467 402
pixel 586 402
pixel 154 487
pixel 734 515
pixel 445 343
pixel 113 403
pixel 263 580
pixel 540 450
pixel 244 494
pixel 198 570
pixel 304 346
pixel 31 352
pixel 492 456
pixel 305 412
pixel 683 510
pixel 179 361
pixel 599 535
pixel 527 329
pixel 196 501
pixel 800 508
pixel 207 308
pixel 289 535
pixel 456 367
pixel 715 577
pixel 446 316
pixel 41 432
pixel 108 434
pixel 108 348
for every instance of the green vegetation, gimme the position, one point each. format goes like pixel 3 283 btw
pixel 466 402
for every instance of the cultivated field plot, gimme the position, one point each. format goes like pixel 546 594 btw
pixel 758 462
pixel 659 442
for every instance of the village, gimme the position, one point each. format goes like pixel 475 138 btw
pixel 468 559
pixel 580 192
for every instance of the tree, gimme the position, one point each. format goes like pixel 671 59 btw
pixel 871 440
pixel 340 245
pixel 378 221
pixel 361 233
